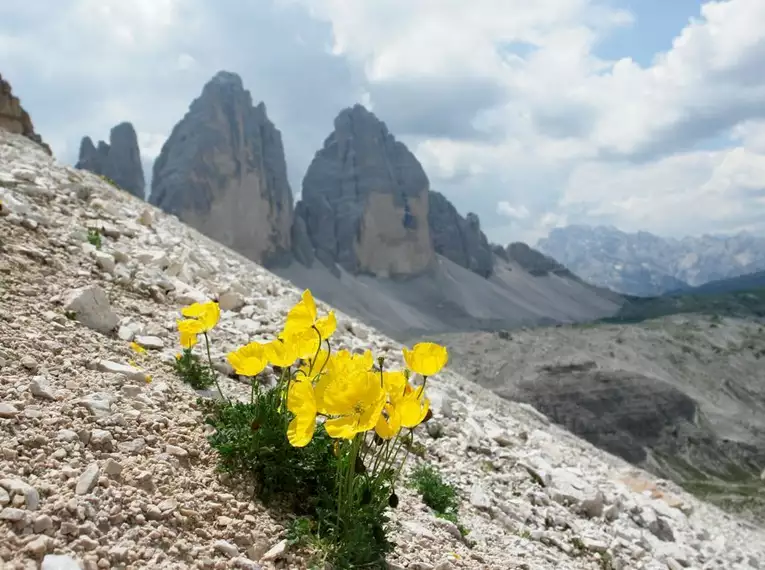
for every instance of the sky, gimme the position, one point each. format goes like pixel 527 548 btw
pixel 642 114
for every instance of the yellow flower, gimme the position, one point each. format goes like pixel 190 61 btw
pixel 148 378
pixel 207 314
pixel 389 422
pixel 302 316
pixel 137 348
pixel 248 360
pixel 305 343
pixel 426 358
pixel 301 402
pixel 395 384
pixel 412 408
pixel 281 353
pixel 357 399
pixel 178 356
pixel 189 329
pixel 327 325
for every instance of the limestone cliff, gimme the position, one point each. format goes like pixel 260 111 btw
pixel 119 160
pixel 223 171
pixel 14 118
pixel 535 262
pixel 364 202
pixel 459 239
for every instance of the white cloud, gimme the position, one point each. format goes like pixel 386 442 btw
pixel 505 102
pixel 515 212
pixel 613 139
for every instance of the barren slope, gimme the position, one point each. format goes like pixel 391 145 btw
pixel 109 471
pixel 682 395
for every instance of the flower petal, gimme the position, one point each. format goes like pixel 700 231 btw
pixel 341 428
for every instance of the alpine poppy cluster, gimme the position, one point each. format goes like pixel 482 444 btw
pixel 368 410
pixel 352 393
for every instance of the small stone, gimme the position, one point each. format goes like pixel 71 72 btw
pixel 444 565
pixel 40 388
pixel 42 523
pixel 126 370
pixel 231 301
pixel 12 514
pixel 276 551
pixel 5 498
pixel 8 411
pixel 145 218
pixel 90 306
pixel 59 562
pixel 176 451
pixel 105 261
pixel 150 342
pixel 19 487
pixel 245 564
pixel 101 438
pixel 113 468
pixel 29 362
pixel 479 498
pixel 88 479
pixel 226 548
pixel 39 546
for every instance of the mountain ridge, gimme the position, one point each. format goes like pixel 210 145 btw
pixel 645 264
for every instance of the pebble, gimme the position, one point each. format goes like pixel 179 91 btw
pixel 88 479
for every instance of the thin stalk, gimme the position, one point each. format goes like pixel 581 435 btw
pixel 212 370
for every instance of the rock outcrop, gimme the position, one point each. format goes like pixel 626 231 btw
pixel 459 239
pixel 119 160
pixel 365 202
pixel 223 171
pixel 14 118
pixel 535 262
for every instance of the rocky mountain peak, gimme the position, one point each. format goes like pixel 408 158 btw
pixel 223 171
pixel 365 201
pixel 119 160
pixel 14 118
pixel 459 239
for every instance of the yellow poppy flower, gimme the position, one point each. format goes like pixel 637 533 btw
pixel 137 347
pixel 188 339
pixel 248 360
pixel 389 422
pixel 302 403
pixel 281 353
pixel 426 358
pixel 357 399
pixel 207 314
pixel 395 384
pixel 302 316
pixel 305 343
pixel 327 325
pixel 412 408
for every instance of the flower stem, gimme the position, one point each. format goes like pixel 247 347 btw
pixel 213 372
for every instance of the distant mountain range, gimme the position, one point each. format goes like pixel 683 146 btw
pixel 645 264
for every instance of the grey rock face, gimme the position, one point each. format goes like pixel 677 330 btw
pixel 645 264
pixel 119 160
pixel 223 171
pixel 457 238
pixel 365 201
pixel 535 262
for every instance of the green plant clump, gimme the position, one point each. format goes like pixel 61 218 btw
pixel 94 238
pixel 189 368
pixel 436 493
